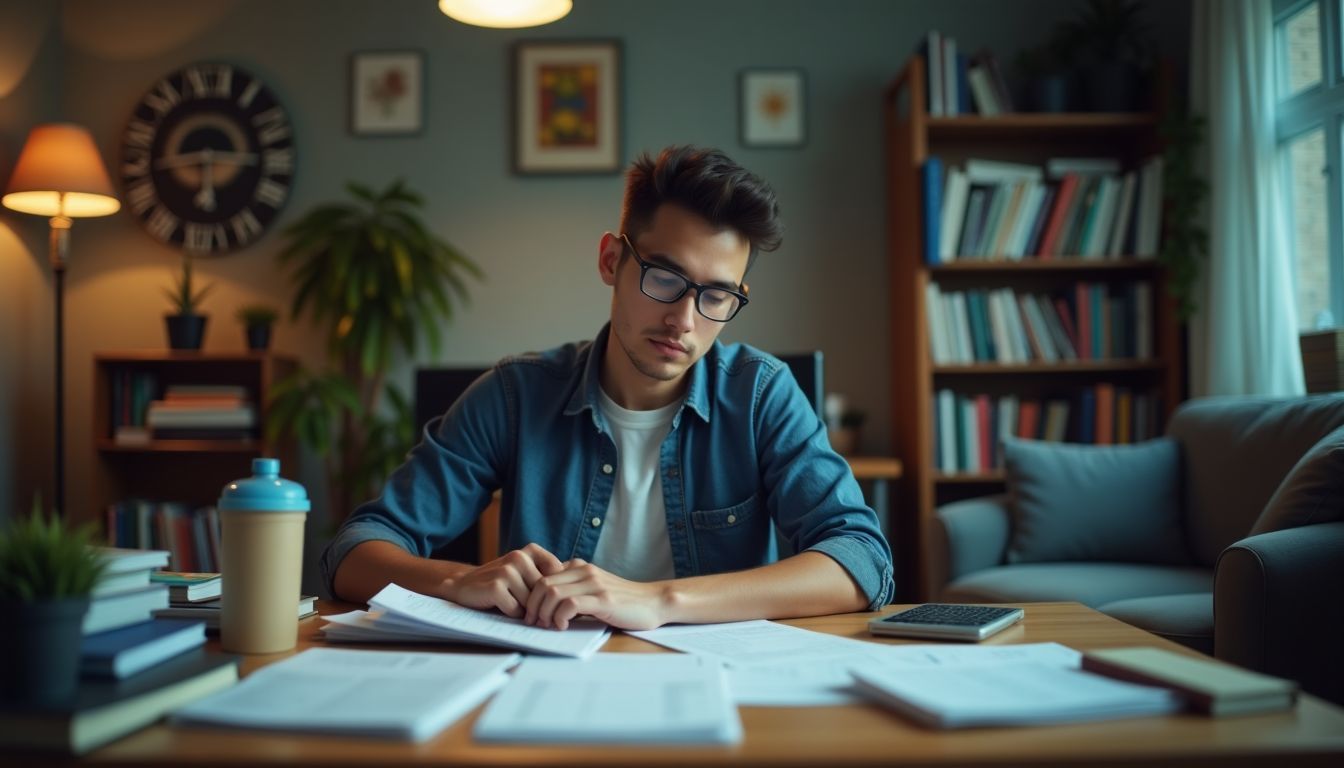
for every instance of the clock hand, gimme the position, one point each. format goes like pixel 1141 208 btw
pixel 205 198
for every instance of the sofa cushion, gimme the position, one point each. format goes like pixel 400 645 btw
pixel 1092 584
pixel 1237 451
pixel 1094 502
pixel 1312 493
pixel 1185 619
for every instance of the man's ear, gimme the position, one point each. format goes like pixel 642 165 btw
pixel 609 252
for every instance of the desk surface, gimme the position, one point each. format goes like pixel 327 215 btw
pixel 1312 733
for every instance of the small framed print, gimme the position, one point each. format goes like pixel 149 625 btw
pixel 387 93
pixel 566 107
pixel 773 109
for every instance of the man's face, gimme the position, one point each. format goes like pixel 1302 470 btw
pixel 661 341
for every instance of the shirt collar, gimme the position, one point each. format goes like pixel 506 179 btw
pixel 586 394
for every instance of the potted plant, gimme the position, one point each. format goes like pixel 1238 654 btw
pixel 1046 74
pixel 383 284
pixel 257 320
pixel 47 572
pixel 186 327
pixel 1185 238
pixel 1112 48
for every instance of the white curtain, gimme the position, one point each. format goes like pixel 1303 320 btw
pixel 1244 339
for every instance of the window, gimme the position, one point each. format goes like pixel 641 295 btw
pixel 1310 115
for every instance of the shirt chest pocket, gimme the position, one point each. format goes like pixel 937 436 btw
pixel 732 538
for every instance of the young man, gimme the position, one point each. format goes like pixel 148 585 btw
pixel 640 472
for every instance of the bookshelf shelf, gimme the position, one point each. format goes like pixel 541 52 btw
pixel 1122 295
pixel 183 446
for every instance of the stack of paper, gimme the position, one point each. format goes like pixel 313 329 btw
pixel 614 698
pixel 400 615
pixel 1010 694
pixel 371 693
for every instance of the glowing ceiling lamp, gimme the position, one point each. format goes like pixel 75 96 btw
pixel 506 13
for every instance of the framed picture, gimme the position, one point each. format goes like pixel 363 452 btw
pixel 566 107
pixel 387 93
pixel 773 109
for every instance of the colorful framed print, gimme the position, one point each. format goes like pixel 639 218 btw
pixel 567 111
pixel 387 93
pixel 773 109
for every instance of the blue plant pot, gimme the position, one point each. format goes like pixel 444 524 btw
pixel 39 650
pixel 185 331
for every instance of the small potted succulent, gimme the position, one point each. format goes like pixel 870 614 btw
pixel 47 573
pixel 257 320
pixel 186 327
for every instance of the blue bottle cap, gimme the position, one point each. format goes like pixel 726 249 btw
pixel 265 491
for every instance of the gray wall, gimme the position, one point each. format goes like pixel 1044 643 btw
pixel 536 238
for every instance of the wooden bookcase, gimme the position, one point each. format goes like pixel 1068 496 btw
pixel 911 137
pixel 190 471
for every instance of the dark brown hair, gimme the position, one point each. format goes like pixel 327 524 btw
pixel 707 183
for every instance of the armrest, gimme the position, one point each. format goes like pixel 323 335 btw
pixel 1271 611
pixel 967 536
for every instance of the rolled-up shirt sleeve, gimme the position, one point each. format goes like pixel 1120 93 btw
pixel 813 496
pixel 444 484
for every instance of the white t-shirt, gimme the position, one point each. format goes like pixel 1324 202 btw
pixel 633 542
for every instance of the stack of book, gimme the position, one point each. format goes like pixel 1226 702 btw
pixel 202 412
pixel 131 393
pixel 199 597
pixel 962 85
pixel 124 595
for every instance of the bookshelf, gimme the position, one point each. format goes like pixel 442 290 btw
pixel 191 471
pixel 911 137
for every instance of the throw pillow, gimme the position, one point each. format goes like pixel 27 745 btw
pixel 1313 492
pixel 1074 502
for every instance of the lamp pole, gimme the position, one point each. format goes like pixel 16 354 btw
pixel 60 245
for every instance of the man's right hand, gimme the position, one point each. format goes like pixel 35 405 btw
pixel 503 583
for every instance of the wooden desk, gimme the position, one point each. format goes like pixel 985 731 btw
pixel 857 735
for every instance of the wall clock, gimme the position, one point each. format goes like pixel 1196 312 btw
pixel 207 158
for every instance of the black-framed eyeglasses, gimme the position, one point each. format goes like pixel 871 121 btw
pixel 664 285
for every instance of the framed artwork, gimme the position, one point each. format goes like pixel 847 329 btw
pixel 566 107
pixel 773 108
pixel 387 93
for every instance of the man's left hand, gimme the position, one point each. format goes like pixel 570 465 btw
pixel 583 589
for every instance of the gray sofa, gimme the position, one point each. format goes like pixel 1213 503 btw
pixel 1255 559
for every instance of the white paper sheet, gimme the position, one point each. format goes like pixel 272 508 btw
pixel 371 693
pixel 614 698
pixel 410 611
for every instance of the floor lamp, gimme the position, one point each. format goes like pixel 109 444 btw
pixel 60 175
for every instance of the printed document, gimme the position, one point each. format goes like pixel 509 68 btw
pixel 370 693
pixel 408 615
pixel 632 698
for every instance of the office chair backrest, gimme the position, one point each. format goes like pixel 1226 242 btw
pixel 436 389
pixel 807 368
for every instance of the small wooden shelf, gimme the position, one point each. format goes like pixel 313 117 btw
pixel 1003 267
pixel 1019 126
pixel 182 446
pixel 1065 367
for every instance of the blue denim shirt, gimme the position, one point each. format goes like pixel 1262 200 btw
pixel 745 449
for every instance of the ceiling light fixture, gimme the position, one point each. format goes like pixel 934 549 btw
pixel 506 14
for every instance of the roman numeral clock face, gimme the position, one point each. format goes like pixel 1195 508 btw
pixel 207 158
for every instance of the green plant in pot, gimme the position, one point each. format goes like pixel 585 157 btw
pixel 383 285
pixel 47 572
pixel 1046 74
pixel 257 320
pixel 1113 49
pixel 186 325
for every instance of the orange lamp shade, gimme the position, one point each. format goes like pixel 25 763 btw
pixel 60 173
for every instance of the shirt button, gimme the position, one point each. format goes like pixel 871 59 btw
pixel 597 521
pixel 673 472
pixel 732 519
pixel 606 470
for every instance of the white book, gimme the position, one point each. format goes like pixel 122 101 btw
pixel 624 698
pixel 120 609
pixel 955 192
pixel 938 335
pixel 355 692
pixel 1107 201
pixel 981 171
pixel 962 328
pixel 120 560
pixel 970 435
pixel 934 62
pixel 1150 209
pixel 1010 694
pixel 1063 344
pixel 982 91
pixel 1031 314
pixel 1120 227
pixel 947 431
pixel 404 610
pixel 1026 216
pixel 951 102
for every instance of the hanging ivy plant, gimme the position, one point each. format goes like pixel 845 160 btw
pixel 1185 241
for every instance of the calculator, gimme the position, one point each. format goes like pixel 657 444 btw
pixel 942 621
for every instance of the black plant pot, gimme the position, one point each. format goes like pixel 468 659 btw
pixel 39 649
pixel 185 331
pixel 1112 86
pixel 259 337
pixel 1049 93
